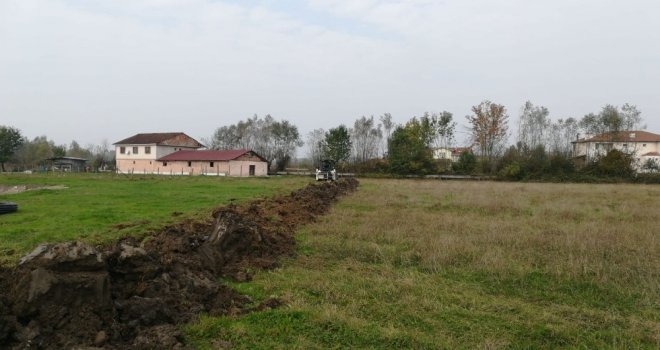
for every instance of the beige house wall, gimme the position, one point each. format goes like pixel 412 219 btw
pixel 156 151
pixel 220 168
pixel 242 168
pixel 137 166
pixel 140 162
pixel 442 153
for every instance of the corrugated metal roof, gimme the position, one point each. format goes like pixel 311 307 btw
pixel 624 136
pixel 161 138
pixel 206 155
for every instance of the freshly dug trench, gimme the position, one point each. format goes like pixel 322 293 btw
pixel 132 294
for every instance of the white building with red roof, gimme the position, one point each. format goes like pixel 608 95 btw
pixel 176 153
pixel 644 146
pixel 242 162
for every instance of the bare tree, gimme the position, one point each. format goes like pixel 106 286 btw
pixel 560 135
pixel 611 120
pixel 101 155
pixel 443 128
pixel 533 126
pixel 274 140
pixel 388 126
pixel 314 143
pixel 632 117
pixel 366 137
pixel 284 141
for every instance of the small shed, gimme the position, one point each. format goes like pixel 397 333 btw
pixel 67 164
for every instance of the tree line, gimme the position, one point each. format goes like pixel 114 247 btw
pixel 542 146
pixel 25 154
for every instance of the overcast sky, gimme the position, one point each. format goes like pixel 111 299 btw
pixel 91 70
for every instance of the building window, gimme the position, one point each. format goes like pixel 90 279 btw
pixel 643 145
pixel 211 164
pixel 147 150
pixel 164 163
pixel 133 162
pixel 189 163
pixel 122 150
pixel 135 150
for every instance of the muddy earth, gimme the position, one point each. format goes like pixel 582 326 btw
pixel 132 294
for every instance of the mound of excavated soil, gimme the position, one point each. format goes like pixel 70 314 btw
pixel 132 294
pixel 4 189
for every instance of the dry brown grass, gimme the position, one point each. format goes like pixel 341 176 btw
pixel 606 233
pixel 490 265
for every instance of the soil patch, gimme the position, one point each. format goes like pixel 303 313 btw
pixel 132 294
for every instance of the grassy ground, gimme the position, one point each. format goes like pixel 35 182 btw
pixel 436 264
pixel 100 207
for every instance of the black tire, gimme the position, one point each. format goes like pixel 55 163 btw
pixel 8 207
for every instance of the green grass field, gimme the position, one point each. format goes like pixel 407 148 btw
pixel 433 264
pixel 100 207
pixel 400 263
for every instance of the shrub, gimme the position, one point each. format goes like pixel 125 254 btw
pixel 615 163
pixel 466 164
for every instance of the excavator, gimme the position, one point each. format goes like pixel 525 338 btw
pixel 326 171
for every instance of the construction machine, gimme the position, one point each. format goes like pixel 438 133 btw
pixel 326 171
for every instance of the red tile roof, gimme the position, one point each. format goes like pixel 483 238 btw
pixel 624 136
pixel 458 150
pixel 206 155
pixel 161 138
pixel 651 154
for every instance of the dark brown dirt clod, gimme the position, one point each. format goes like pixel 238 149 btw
pixel 132 294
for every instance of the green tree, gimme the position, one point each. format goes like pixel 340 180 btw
pixel 466 163
pixel 337 144
pixel 31 154
pixel 59 151
pixel 10 140
pixel 409 151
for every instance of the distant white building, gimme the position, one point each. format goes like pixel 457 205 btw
pixel 139 153
pixel 449 153
pixel 642 145
pixel 176 153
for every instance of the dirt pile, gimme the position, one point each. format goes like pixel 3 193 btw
pixel 5 189
pixel 132 294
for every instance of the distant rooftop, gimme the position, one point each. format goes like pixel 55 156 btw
pixel 623 136
pixel 161 138
pixel 207 155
